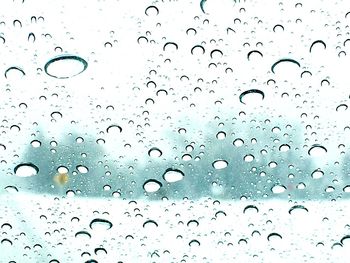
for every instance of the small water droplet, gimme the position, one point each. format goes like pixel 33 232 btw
pixel 65 66
pixel 192 223
pixel 82 169
pixel 194 243
pixel 152 11
pixel 152 185
pixel 250 209
pixel 221 135
pixel 284 148
pixel 173 175
pixel 317 174
pixel 26 170
pixel 278 189
pixel 36 143
pixel 155 152
pixel 150 224
pixel 220 164
pixel 100 224
pixel 238 142
pixel 248 158
pixel 114 129
pixel 56 115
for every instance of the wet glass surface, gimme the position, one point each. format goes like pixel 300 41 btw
pixel 174 131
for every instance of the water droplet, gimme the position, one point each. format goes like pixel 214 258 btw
pixel 11 189
pixel 220 214
pixel 274 237
pixel 56 115
pixel 329 189
pixel 70 193
pixel 100 224
pixel 65 66
pixel 6 242
pixel 238 142
pixel 345 240
pixel 150 224
pixel 250 209
pixel 284 61
pixel 14 73
pixel 197 50
pixel 26 170
pixel 317 174
pixel 220 164
pixel 316 44
pixel 152 11
pixel 173 175
pixel 83 234
pixel 254 53
pixel 31 37
pixel 284 148
pixel 317 150
pixel 152 185
pixel 35 143
pixel 194 243
pixel 278 189
pixel 114 129
pixel 251 97
pixel 296 209
pixel 248 158
pixel 342 107
pixel 221 135
pixel 82 169
pixel 155 152
pixel 187 157
pixel 192 223
pixel 100 251
pixel 346 189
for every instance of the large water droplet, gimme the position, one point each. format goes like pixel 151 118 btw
pixel 26 170
pixel 173 175
pixel 65 66
pixel 152 185
pixel 317 150
pixel 220 164
pixel 100 224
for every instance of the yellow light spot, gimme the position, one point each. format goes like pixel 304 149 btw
pixel 61 179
